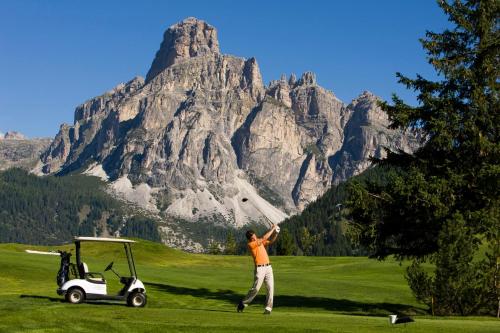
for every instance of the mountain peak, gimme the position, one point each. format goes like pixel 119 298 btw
pixel 206 141
pixel 366 96
pixel 12 135
pixel 308 78
pixel 189 38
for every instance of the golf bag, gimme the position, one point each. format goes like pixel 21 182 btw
pixel 63 274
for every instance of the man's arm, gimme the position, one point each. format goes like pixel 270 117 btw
pixel 273 238
pixel 269 233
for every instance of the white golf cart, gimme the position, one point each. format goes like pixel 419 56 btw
pixel 92 286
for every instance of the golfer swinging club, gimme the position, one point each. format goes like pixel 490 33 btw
pixel 263 270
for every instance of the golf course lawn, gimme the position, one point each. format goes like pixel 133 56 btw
pixel 199 293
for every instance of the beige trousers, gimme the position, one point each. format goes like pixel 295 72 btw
pixel 262 274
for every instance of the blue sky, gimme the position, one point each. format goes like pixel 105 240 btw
pixel 55 55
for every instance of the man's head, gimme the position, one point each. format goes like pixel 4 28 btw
pixel 251 235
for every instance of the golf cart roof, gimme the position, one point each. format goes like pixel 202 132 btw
pixel 102 239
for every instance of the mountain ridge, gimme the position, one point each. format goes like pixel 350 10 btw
pixel 17 150
pixel 202 133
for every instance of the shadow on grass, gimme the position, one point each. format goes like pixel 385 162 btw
pixel 61 300
pixel 47 298
pixel 342 306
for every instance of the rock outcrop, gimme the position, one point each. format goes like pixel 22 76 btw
pixel 187 39
pixel 366 135
pixel 13 135
pixel 202 138
pixel 16 150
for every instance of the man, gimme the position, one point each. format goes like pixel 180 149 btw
pixel 263 270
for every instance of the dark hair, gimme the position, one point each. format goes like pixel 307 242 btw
pixel 249 234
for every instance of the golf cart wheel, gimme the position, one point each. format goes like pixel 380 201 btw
pixel 75 296
pixel 136 299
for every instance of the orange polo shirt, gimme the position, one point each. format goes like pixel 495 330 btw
pixel 258 250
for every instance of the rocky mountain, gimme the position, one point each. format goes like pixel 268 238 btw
pixel 203 139
pixel 16 150
pixel 12 135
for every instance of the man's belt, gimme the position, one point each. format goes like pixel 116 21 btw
pixel 264 265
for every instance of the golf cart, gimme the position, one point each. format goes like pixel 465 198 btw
pixel 92 286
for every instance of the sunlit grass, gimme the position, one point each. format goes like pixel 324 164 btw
pixel 198 293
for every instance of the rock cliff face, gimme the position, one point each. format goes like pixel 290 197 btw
pixel 187 39
pixel 292 134
pixel 202 138
pixel 18 151
pixel 366 135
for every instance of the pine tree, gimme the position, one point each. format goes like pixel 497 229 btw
pixel 214 247
pixel 231 246
pixel 456 286
pixel 450 187
pixel 286 245
pixel 306 240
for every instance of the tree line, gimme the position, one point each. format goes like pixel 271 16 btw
pixel 52 210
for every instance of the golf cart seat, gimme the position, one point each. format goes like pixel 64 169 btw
pixel 91 276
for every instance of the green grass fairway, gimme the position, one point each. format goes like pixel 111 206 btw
pixel 198 293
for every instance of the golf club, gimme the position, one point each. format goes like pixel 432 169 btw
pixel 268 221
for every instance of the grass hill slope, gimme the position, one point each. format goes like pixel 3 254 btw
pixel 198 293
